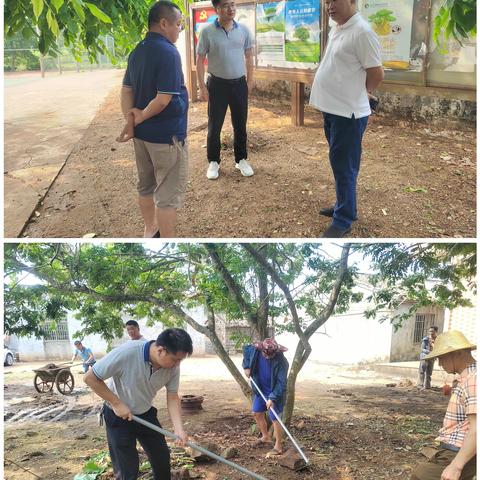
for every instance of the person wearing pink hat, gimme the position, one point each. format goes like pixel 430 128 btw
pixel 454 457
pixel 268 367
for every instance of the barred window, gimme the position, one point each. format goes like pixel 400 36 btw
pixel 423 321
pixel 55 331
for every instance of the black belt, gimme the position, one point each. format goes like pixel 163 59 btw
pixel 226 80
pixel 447 446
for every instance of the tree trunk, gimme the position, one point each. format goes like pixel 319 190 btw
pixel 232 368
pixel 264 304
pixel 297 364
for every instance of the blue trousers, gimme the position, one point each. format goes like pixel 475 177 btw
pixel 344 137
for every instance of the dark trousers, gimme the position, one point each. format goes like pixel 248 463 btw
pixel 122 437
pixel 222 94
pixel 432 470
pixel 344 137
pixel 425 371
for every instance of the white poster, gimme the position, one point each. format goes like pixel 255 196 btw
pixel 392 22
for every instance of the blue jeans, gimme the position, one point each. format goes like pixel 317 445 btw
pixel 344 137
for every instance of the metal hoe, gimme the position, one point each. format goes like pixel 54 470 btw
pixel 199 448
pixel 281 423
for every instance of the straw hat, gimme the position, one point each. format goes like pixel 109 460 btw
pixel 448 342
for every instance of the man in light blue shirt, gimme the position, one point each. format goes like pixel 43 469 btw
pixel 85 353
pixel 228 45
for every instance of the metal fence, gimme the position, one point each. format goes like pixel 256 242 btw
pixel 30 59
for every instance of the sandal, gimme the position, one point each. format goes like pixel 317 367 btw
pixel 274 452
pixel 260 443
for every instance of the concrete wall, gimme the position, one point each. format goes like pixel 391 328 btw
pixel 403 348
pixel 347 339
pixel 32 349
pixel 432 105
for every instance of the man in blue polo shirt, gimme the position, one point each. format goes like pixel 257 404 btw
pixel 135 372
pixel 228 45
pixel 154 92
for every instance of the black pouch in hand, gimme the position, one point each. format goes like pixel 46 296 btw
pixel 373 103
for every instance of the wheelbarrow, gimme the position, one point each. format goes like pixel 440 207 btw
pixel 51 374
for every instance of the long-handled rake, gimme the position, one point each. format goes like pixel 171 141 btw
pixel 199 448
pixel 280 422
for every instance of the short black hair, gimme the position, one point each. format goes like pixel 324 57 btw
pixel 216 3
pixel 132 323
pixel 434 327
pixel 162 9
pixel 175 340
pixel 77 342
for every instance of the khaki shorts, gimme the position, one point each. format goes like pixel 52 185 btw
pixel 162 172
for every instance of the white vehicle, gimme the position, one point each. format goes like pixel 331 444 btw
pixel 7 357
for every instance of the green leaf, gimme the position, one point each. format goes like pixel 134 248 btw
pixel 93 467
pixel 96 12
pixel 37 7
pixel 78 7
pixel 52 23
pixel 85 476
pixel 57 4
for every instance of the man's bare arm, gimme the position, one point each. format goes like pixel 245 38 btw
pixel 126 100
pixel 249 65
pixel 157 105
pixel 201 77
pixel 375 77
pixel 173 405
pixel 465 454
pixel 101 389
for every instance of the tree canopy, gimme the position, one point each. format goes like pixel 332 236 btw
pixel 285 287
pixel 457 19
pixel 82 24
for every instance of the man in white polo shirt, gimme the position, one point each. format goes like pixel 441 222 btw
pixel 351 68
pixel 136 371
pixel 228 45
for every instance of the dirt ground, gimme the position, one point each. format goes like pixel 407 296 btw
pixel 349 423
pixel 416 180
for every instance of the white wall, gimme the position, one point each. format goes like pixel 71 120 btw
pixel 403 348
pixel 347 339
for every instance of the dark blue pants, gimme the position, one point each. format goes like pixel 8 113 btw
pixel 344 137
pixel 221 95
pixel 122 437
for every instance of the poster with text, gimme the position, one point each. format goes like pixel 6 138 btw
pixel 391 20
pixel 302 32
pixel 246 16
pixel 270 34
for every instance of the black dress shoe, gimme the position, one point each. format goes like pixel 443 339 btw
pixel 327 211
pixel 157 235
pixel 334 232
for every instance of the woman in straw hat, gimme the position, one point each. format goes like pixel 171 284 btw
pixel 455 456
pixel 266 364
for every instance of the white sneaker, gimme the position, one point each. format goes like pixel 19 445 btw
pixel 212 172
pixel 245 168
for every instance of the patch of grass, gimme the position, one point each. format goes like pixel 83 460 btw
pixel 417 425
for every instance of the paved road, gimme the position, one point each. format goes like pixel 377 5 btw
pixel 44 118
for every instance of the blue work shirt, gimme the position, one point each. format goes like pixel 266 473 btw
pixel 265 375
pixel 278 377
pixel 85 353
pixel 155 67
